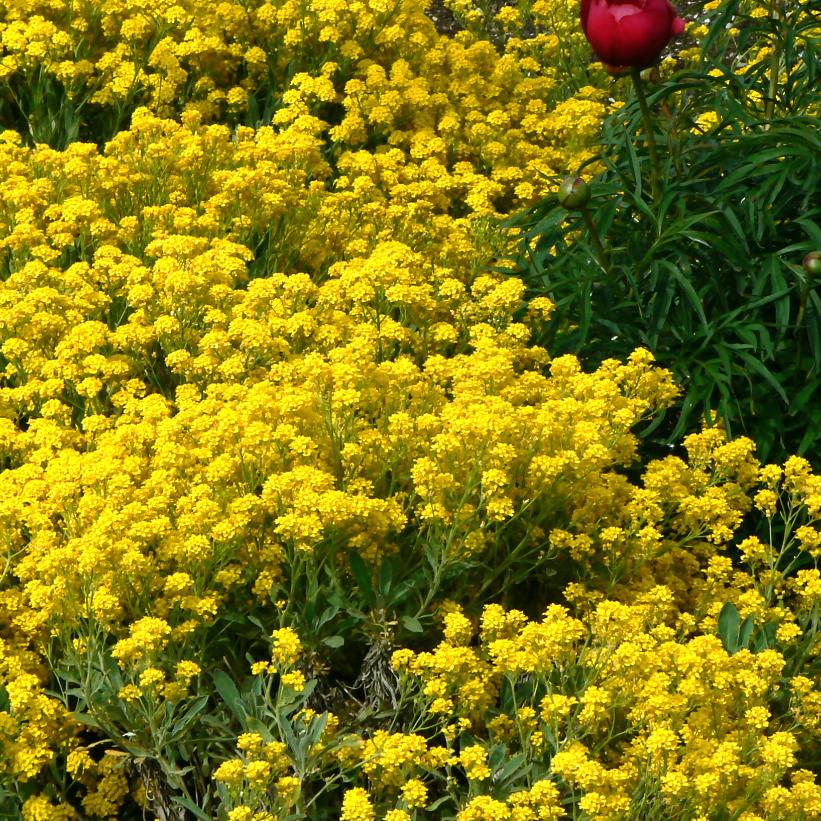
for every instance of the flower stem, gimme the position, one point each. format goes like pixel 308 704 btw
pixel 601 253
pixel 649 130
pixel 802 307
pixel 775 64
pixel 597 243
pixel 802 304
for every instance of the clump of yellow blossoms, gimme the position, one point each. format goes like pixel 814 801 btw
pixel 646 702
pixel 263 394
pixel 455 116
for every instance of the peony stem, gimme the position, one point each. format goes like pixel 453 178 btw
pixel 601 253
pixel 649 130
pixel 775 64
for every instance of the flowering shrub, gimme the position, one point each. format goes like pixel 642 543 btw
pixel 361 74
pixel 649 702
pixel 270 420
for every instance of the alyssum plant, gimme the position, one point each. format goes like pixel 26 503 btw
pixel 690 240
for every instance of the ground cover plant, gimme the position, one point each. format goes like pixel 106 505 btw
pixel 306 510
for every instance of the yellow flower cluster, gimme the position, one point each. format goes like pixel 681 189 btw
pixel 461 120
pixel 647 704
pixel 541 801
pixel 174 431
pixel 252 332
pixel 211 337
pixel 261 782
pixel 389 758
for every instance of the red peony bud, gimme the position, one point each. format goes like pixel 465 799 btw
pixel 629 33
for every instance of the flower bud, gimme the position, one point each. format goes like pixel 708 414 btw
pixel 812 264
pixel 630 33
pixel 574 193
pixel 651 75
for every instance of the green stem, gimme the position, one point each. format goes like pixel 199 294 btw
pixel 775 63
pixel 597 243
pixel 601 253
pixel 802 307
pixel 649 130
pixel 802 304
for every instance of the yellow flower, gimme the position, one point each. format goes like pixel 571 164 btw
pixel 778 751
pixel 130 693
pixel 230 772
pixel 151 677
pixel 287 646
pixel 186 670
pixel 295 680
pixel 484 808
pixel 474 761
pixel 415 793
pixel 250 743
pixel 356 806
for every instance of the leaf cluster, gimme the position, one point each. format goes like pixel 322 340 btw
pixel 709 275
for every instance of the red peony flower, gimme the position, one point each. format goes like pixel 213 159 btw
pixel 629 33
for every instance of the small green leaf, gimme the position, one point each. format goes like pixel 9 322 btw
pixel 412 624
pixel 765 637
pixel 230 694
pixel 87 719
pixel 745 632
pixel 511 767
pixel 316 729
pixel 327 614
pixel 192 807
pixel 438 803
pixel 765 373
pixel 362 574
pixel 690 292
pixel 288 731
pixel 728 624
pixel 254 725
pixel 635 165
pixel 193 711
pixel 385 577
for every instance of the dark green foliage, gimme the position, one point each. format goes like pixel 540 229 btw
pixel 709 277
pixel 738 635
